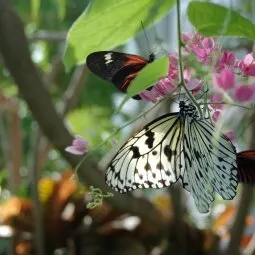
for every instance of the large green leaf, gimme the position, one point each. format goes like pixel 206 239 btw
pixel 149 76
pixel 106 24
pixel 214 20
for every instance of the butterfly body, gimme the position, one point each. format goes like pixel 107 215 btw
pixel 117 67
pixel 181 147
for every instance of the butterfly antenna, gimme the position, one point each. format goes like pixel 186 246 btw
pixel 146 38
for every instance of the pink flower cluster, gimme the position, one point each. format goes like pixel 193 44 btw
pixel 227 74
pixel 204 62
pixel 169 84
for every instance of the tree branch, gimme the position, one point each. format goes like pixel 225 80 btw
pixel 14 49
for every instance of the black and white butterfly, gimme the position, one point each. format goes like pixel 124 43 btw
pixel 182 147
pixel 117 67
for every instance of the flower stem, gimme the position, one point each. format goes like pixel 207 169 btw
pixel 180 45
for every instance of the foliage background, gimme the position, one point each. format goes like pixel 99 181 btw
pixel 46 97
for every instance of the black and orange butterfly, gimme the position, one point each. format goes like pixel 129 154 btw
pixel 117 67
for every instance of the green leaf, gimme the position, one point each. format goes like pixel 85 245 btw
pixel 214 20
pixel 35 6
pixel 106 24
pixel 61 9
pixel 149 75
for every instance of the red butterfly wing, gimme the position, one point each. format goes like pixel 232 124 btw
pixel 246 166
pixel 119 68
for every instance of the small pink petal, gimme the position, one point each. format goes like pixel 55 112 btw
pixel 150 96
pixel 79 146
pixel 208 43
pixel 225 79
pixel 186 37
pixel 74 150
pixel 230 135
pixel 202 55
pixel 216 116
pixel 217 98
pixel 244 93
pixel 195 85
pixel 187 75
pixel 164 86
pixel 173 61
pixel 227 60
pixel 197 38
pixel 248 59
pixel 247 65
pixel 173 67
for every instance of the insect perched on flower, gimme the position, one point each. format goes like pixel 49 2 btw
pixel 182 147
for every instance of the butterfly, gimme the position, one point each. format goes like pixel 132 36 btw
pixel 117 67
pixel 182 147
pixel 246 166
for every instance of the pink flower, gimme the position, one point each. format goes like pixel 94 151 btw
pixel 244 93
pixel 195 85
pixel 216 116
pixel 186 37
pixel 173 67
pixel 230 135
pixel 216 97
pixel 208 43
pixel 163 88
pixel 228 59
pixel 225 79
pixel 202 55
pixel 203 48
pixel 192 84
pixel 197 38
pixel 149 95
pixel 79 146
pixel 247 65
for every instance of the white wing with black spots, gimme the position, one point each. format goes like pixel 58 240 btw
pixel 151 158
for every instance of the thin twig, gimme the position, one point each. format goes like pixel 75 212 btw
pixel 180 45
pixel 75 86
pixel 48 36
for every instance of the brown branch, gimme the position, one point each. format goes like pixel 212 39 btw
pixel 14 49
pixel 41 145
